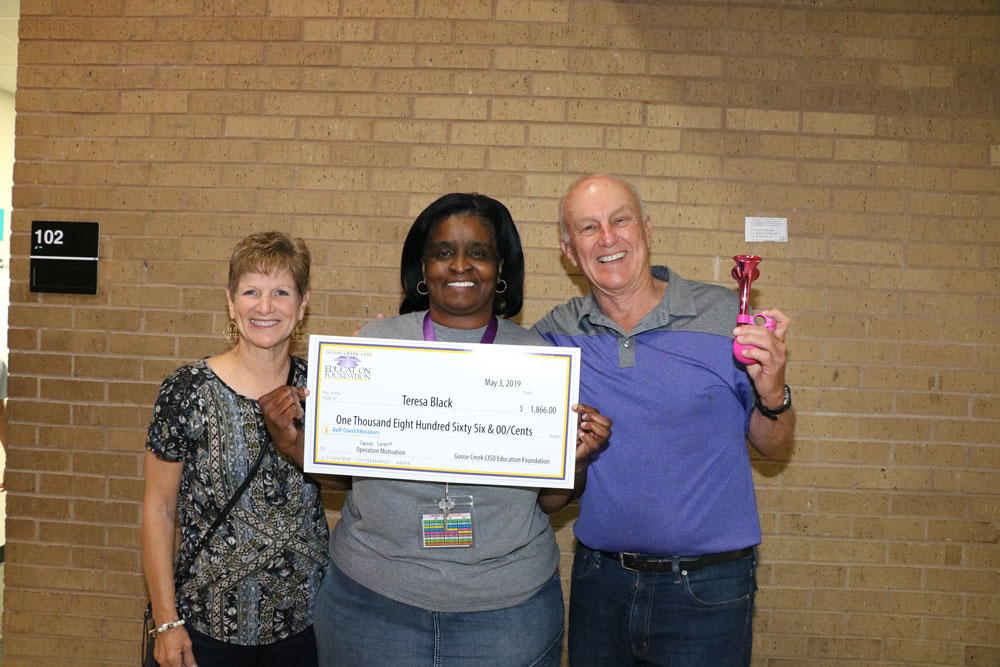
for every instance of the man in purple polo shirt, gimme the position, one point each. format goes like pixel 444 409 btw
pixel 665 566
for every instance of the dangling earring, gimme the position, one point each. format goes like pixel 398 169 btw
pixel 425 292
pixel 501 291
pixel 232 333
pixel 299 333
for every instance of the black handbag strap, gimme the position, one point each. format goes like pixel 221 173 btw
pixel 225 510
pixel 238 493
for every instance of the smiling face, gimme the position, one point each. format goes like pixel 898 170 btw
pixel 461 271
pixel 266 308
pixel 607 237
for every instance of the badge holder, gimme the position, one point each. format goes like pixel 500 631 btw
pixel 447 523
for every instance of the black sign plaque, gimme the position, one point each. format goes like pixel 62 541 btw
pixel 64 257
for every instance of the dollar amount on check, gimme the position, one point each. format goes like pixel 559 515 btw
pixel 449 412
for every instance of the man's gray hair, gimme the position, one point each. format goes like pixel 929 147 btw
pixel 563 232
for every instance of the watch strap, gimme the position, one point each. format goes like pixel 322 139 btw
pixel 772 413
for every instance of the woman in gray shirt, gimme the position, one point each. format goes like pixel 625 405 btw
pixel 389 598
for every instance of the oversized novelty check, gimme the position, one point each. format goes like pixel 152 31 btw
pixel 444 412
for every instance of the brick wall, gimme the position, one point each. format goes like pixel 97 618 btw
pixel 872 125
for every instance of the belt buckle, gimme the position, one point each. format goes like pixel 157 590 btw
pixel 621 560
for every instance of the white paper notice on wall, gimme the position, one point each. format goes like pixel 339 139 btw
pixel 766 229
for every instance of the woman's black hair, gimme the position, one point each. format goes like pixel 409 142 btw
pixel 509 253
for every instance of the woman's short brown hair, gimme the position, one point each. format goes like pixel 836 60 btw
pixel 269 253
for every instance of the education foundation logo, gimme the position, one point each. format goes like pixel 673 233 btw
pixel 347 367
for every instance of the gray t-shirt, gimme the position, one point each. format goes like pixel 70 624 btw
pixel 377 542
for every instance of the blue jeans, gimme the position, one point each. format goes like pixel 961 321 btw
pixel 357 627
pixel 673 618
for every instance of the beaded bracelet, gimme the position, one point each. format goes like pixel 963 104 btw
pixel 167 626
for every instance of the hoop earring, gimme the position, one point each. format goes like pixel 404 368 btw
pixel 425 293
pixel 232 333
pixel 299 333
pixel 501 291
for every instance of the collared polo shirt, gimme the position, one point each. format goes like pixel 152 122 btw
pixel 674 477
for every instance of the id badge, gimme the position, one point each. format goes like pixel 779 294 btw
pixel 447 523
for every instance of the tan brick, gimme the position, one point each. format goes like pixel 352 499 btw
pixel 661 115
pixel 811 524
pixel 50 413
pixel 721 142
pixel 73 485
pixel 125 489
pixel 71 390
pixel 782 197
pixel 106 512
pixel 528 110
pixel 946 204
pixel 871 150
pixel 538 159
pixel 967 431
pixel 814 575
pixel 924 355
pixel 965 531
pixel 916 76
pixel 781 645
pixel 683 166
pixel 793 146
pixel 759 170
pixel 90 102
pixel 980 180
pixel 256 126
pixel 808 623
pixel 714 194
pixel 964 630
pixel 849 452
pixel 107 464
pixel 849 551
pixel 927 505
pixel 832 123
pixel 889 577
pixel 490 134
pixel 940 153
pixel 849 502
pixel 902 50
pixel 617 113
pixel 609 62
pixel 984 556
pixel 568 136
pixel 964 332
pixel 532 10
pixel 981 655
pixel 587 161
pixel 829 375
pixel 967 381
pixel 39 507
pixel 671 64
pixel 929 554
pixel 920 651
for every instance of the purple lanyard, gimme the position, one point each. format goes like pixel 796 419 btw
pixel 488 336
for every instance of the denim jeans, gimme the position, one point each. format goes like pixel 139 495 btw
pixel 674 618
pixel 357 627
pixel 299 649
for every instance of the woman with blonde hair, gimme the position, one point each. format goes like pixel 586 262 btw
pixel 253 535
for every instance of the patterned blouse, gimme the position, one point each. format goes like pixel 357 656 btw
pixel 255 581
